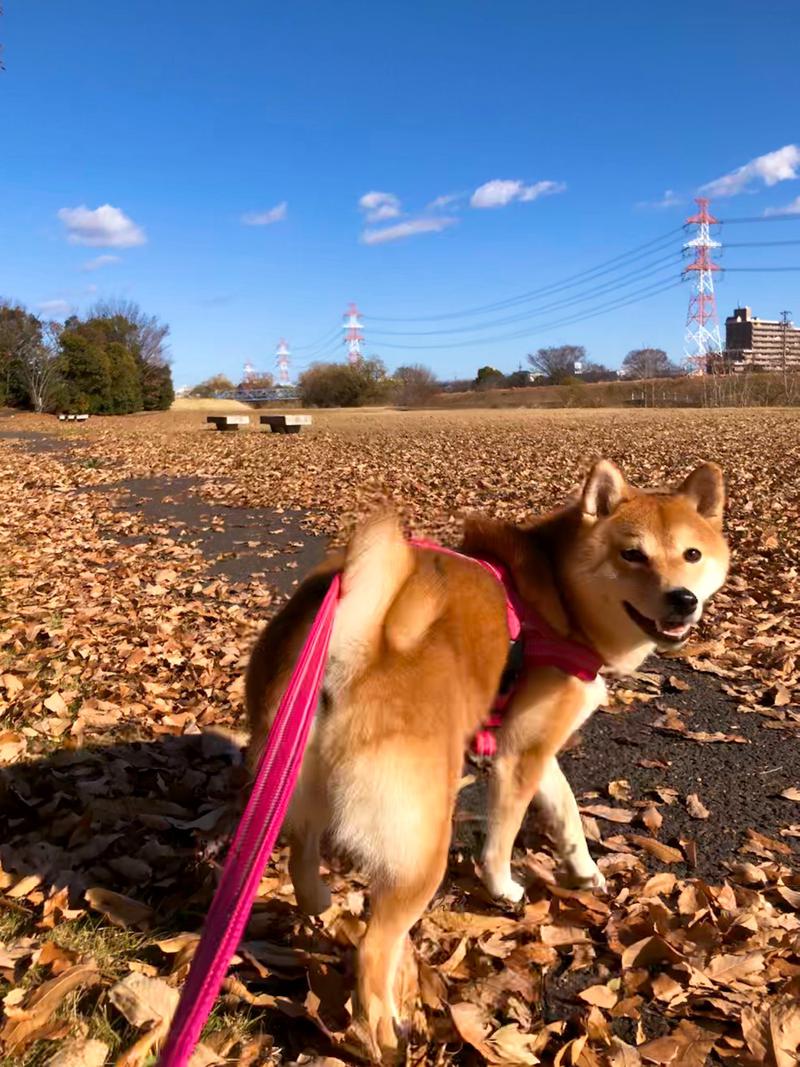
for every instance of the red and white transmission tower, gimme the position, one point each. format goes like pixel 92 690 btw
pixel 282 359
pixel 702 326
pixel 353 335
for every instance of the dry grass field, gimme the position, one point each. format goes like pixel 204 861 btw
pixel 139 557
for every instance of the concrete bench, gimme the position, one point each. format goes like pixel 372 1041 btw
pixel 286 423
pixel 72 418
pixel 229 422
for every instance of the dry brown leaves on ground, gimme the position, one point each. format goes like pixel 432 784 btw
pixel 120 684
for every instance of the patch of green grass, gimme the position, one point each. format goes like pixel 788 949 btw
pixel 236 1024
pixel 109 946
pixel 14 924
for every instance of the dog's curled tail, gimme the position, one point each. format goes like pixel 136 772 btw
pixel 378 562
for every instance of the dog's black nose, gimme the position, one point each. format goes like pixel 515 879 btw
pixel 681 601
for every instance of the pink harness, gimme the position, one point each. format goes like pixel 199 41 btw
pixel 276 776
pixel 542 646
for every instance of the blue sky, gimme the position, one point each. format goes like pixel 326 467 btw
pixel 230 147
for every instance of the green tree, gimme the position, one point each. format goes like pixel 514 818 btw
pixel 146 339
pixel 488 378
pixel 114 363
pixel 86 373
pixel 158 392
pixel 125 380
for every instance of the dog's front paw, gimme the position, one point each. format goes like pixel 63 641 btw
pixel 505 888
pixel 588 876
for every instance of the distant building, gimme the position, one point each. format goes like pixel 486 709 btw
pixel 760 344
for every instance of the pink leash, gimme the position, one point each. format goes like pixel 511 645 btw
pixel 255 838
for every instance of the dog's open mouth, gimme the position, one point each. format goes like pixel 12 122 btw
pixel 662 632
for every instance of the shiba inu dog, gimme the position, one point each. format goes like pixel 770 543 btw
pixel 420 641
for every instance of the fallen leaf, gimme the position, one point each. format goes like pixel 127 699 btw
pixel 80 1052
pixel 662 852
pixel 118 909
pixel 652 818
pixel 604 811
pixel 25 1023
pixel 144 1001
pixel 599 995
pixel 696 807
pixel 471 1023
pixel 56 703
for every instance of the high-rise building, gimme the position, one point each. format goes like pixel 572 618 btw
pixel 761 344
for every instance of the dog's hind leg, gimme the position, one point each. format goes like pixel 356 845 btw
pixel 395 907
pixel 306 821
pixel 392 806
pixel 557 803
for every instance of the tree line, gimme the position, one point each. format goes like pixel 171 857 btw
pixel 569 364
pixel 368 382
pixel 342 385
pixel 114 361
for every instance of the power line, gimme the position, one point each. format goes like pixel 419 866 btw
pixel 786 216
pixel 757 270
pixel 651 290
pixel 758 244
pixel 596 271
pixel 321 342
pixel 622 282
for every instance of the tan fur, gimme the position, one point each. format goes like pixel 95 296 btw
pixel 419 643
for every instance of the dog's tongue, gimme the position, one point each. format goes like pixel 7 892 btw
pixel 675 631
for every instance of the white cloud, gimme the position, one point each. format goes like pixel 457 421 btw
pixel 380 206
pixel 669 199
pixel 104 227
pixel 266 218
pixel 449 200
pixel 100 261
pixel 406 229
pixel 502 191
pixel 790 209
pixel 779 166
pixel 55 308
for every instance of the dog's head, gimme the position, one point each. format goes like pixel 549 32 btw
pixel 647 561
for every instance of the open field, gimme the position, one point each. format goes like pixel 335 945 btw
pixel 703 391
pixel 212 407
pixel 139 557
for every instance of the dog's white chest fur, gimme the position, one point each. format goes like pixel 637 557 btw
pixel 595 696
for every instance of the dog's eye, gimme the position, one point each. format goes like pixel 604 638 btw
pixel 633 555
pixel 692 555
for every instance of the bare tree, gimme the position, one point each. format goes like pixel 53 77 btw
pixel 151 334
pixel 557 363
pixel 416 385
pixel 648 363
pixel 38 365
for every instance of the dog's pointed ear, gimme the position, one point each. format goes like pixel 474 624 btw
pixel 705 488
pixel 604 490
